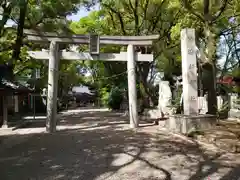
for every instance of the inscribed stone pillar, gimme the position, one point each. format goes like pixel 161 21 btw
pixel 189 72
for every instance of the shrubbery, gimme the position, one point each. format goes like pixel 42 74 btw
pixel 115 98
pixel 112 98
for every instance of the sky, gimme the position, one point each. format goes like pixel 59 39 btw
pixel 82 13
pixel 74 17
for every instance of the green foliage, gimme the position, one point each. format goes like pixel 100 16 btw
pixel 104 94
pixel 123 17
pixel 46 15
pixel 68 76
pixel 115 98
pixel 111 97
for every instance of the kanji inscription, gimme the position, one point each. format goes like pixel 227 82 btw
pixel 189 70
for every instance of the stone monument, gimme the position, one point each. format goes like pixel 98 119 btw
pixel 190 120
pixel 165 97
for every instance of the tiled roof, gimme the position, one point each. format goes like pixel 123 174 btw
pixel 7 84
pixel 13 86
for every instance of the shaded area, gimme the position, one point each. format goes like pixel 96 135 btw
pixel 226 135
pixel 108 150
pixel 82 118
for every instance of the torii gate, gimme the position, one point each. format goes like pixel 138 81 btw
pixel 54 55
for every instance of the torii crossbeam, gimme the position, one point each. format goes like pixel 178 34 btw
pixel 122 56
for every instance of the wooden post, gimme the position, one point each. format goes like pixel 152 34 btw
pixel 5 111
pixel 16 104
pixel 132 91
pixel 189 72
pixel 52 88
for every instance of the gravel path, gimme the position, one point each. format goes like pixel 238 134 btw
pixel 100 146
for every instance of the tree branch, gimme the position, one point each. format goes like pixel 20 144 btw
pixel 33 25
pixel 187 6
pixel 112 19
pixel 229 30
pixel 145 13
pixel 21 70
pixel 221 10
pixel 206 7
pixel 227 57
pixel 235 46
pixel 119 17
pixel 136 18
pixel 7 8
pixel 18 42
pixel 158 16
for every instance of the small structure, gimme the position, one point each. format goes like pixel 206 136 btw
pixel 10 91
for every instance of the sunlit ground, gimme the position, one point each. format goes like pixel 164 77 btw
pixel 99 145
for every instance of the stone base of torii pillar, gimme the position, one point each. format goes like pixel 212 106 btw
pixel 191 120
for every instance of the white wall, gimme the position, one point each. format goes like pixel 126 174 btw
pixel 81 89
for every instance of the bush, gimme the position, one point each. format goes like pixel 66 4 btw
pixel 104 94
pixel 115 98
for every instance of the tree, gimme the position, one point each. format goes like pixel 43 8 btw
pixel 210 14
pixel 143 18
pixel 27 14
pixel 6 8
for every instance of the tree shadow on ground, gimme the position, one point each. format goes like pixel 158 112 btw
pixel 85 119
pixel 209 163
pixel 75 155
pixel 226 135
pixel 112 152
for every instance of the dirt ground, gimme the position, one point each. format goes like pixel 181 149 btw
pixel 226 136
pixel 98 145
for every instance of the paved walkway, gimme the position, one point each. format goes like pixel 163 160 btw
pixel 100 146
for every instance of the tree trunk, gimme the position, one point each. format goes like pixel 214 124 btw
pixel 143 71
pixel 210 67
pixel 18 42
pixel 1 109
pixel 7 8
pixel 211 89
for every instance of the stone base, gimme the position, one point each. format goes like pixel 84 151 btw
pixel 186 124
pixel 4 126
pixel 152 113
pixel 234 113
pixel 157 114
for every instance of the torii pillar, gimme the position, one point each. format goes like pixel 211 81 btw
pixel 52 87
pixel 132 90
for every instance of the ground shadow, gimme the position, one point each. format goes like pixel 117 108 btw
pixel 225 135
pixel 76 155
pixel 111 151
pixel 85 118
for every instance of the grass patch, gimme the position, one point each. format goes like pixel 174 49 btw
pixel 193 134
